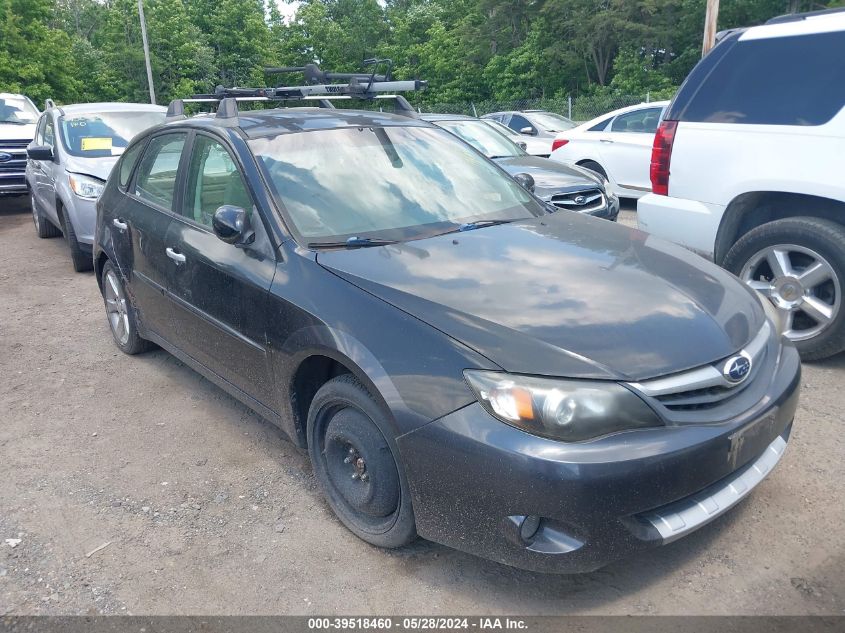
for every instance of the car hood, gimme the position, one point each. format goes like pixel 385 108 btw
pixel 563 295
pixel 10 132
pixel 549 175
pixel 97 167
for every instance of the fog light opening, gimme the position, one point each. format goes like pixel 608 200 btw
pixel 529 527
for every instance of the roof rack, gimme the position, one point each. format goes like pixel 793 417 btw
pixel 796 17
pixel 321 86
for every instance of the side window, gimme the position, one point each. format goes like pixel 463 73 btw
pixel 49 132
pixel 39 130
pixel 213 181
pixel 518 122
pixel 127 162
pixel 794 80
pixel 601 126
pixel 156 181
pixel 637 122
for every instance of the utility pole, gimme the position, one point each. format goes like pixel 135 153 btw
pixel 710 20
pixel 146 51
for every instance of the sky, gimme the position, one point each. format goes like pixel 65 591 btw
pixel 287 8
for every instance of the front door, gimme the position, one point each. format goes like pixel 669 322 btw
pixel 143 225
pixel 220 290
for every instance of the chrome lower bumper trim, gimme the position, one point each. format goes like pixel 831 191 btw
pixel 687 515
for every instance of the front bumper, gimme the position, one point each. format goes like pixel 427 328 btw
pixel 474 479
pixel 13 184
pixel 686 222
pixel 83 213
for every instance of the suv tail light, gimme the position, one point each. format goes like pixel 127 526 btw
pixel 559 142
pixel 661 157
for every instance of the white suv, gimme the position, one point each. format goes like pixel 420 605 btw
pixel 748 168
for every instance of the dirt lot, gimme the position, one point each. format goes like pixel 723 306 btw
pixel 205 508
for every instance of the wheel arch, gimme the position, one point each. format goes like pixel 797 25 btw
pixel 749 210
pixel 313 368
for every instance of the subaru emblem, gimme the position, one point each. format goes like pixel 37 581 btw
pixel 5 158
pixel 580 199
pixel 737 368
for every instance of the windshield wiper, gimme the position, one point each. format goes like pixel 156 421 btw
pixel 471 226
pixel 353 242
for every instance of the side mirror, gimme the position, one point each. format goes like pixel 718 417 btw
pixel 526 180
pixel 231 224
pixel 529 131
pixel 522 144
pixel 40 152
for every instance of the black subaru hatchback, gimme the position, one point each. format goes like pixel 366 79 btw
pixel 544 389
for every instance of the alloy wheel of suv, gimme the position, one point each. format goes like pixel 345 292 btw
pixel 801 283
pixel 797 263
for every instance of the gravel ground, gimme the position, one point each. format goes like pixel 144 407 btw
pixel 132 485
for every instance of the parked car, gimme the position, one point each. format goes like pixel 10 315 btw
pixel 17 128
pixel 748 164
pixel 616 145
pixel 533 146
pixel 74 150
pixel 535 123
pixel 537 388
pixel 569 188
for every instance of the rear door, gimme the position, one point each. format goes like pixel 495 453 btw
pixel 219 290
pixel 626 148
pixel 144 221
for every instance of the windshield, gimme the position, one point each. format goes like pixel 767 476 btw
pixel 394 183
pixel 105 133
pixel 551 122
pixel 17 111
pixel 482 137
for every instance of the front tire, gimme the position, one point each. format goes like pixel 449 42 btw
pixel 121 314
pixel 357 469
pixel 43 227
pixel 82 261
pixel 799 265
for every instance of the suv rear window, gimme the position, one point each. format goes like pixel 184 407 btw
pixel 797 80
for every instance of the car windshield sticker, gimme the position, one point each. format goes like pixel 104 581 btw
pixel 94 144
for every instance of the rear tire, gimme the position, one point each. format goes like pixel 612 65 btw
pixel 799 264
pixel 357 469
pixel 43 227
pixel 594 166
pixel 82 260
pixel 121 314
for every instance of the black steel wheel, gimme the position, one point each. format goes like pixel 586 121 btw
pixel 356 466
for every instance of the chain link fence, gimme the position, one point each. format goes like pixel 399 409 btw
pixel 578 109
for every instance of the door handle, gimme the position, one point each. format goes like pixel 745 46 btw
pixel 607 140
pixel 179 258
pixel 120 226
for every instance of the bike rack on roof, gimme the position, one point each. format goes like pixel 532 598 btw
pixel 321 87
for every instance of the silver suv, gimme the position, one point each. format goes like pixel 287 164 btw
pixel 17 127
pixel 74 150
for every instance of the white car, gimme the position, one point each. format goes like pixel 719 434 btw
pixel 534 146
pixel 616 145
pixel 748 168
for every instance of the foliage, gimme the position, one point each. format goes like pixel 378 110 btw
pixel 471 51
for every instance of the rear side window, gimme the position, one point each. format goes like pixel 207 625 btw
pixel 797 80
pixel 127 163
pixel 637 122
pixel 518 122
pixel 156 181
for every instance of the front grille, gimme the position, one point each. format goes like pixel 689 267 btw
pixel 579 201
pixel 705 387
pixel 17 144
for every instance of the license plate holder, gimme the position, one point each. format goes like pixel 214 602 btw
pixel 747 442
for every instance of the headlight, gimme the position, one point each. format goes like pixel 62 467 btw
pixel 568 410
pixel 85 186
